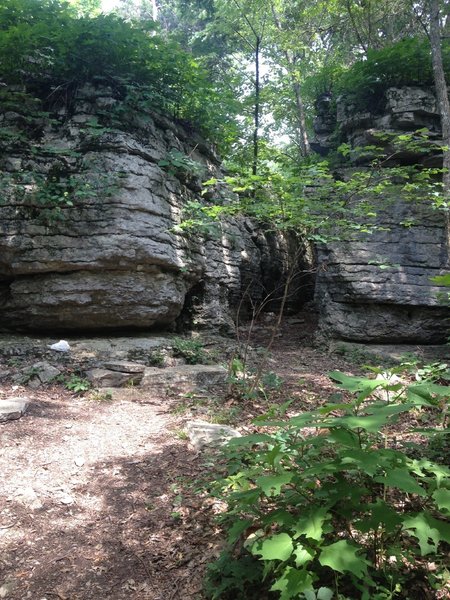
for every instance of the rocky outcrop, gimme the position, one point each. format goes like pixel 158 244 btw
pixel 403 110
pixel 91 201
pixel 377 287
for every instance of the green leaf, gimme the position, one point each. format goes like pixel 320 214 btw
pixel 442 279
pixel 237 529
pixel 247 440
pixel 344 436
pixel 341 556
pixel 355 384
pixel 380 415
pixel 292 583
pixel 302 555
pixel 367 461
pixel 428 531
pixel 271 484
pixel 427 393
pixel 402 480
pixel 277 547
pixel 323 593
pixel 379 513
pixel 311 524
pixel 442 499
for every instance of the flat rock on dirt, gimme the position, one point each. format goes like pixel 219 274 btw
pixel 13 408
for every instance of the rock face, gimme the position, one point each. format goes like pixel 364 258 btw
pixel 403 110
pixel 376 287
pixel 89 224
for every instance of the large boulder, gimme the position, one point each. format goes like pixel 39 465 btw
pixel 89 218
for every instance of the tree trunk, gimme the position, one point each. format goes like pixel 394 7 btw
pixel 302 134
pixel 257 108
pixel 442 98
pixel 305 148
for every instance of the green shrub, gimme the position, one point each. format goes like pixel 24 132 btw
pixel 52 52
pixel 77 384
pixel 326 506
pixel 191 350
pixel 405 63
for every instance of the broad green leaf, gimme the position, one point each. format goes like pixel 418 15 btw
pixel 276 547
pixel 278 516
pixel 344 437
pixel 292 583
pixel 442 498
pixel 341 556
pixel 248 497
pixel 428 531
pixel 256 438
pixel 354 384
pixel 322 593
pixel 428 393
pixel 311 524
pixel 421 466
pixel 401 479
pixel 378 417
pixel 379 513
pixel 302 555
pixel 366 461
pixel 271 484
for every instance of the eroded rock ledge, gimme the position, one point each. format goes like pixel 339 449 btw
pixel 377 288
pixel 114 260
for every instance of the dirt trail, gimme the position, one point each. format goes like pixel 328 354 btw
pixel 86 500
pixel 94 496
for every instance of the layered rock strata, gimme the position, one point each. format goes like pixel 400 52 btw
pixel 377 287
pixel 90 213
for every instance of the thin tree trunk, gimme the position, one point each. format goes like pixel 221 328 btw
pixel 302 135
pixel 301 119
pixel 154 10
pixel 257 108
pixel 442 98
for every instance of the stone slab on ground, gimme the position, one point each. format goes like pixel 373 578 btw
pixel 45 372
pixel 13 408
pixel 203 434
pixel 124 366
pixel 109 378
pixel 184 378
pixel 395 352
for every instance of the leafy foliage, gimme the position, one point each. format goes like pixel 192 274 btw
pixel 48 49
pixel 325 506
pixel 407 62
pixel 77 384
pixel 191 350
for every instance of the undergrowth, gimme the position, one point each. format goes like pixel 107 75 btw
pixel 338 503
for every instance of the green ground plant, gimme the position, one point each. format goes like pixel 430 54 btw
pixel 191 350
pixel 178 163
pixel 327 506
pixel 98 396
pixel 77 384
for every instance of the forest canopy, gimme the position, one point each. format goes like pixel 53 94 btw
pixel 46 47
pixel 239 71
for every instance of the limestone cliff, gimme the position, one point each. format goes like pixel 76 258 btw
pixel 377 287
pixel 88 218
